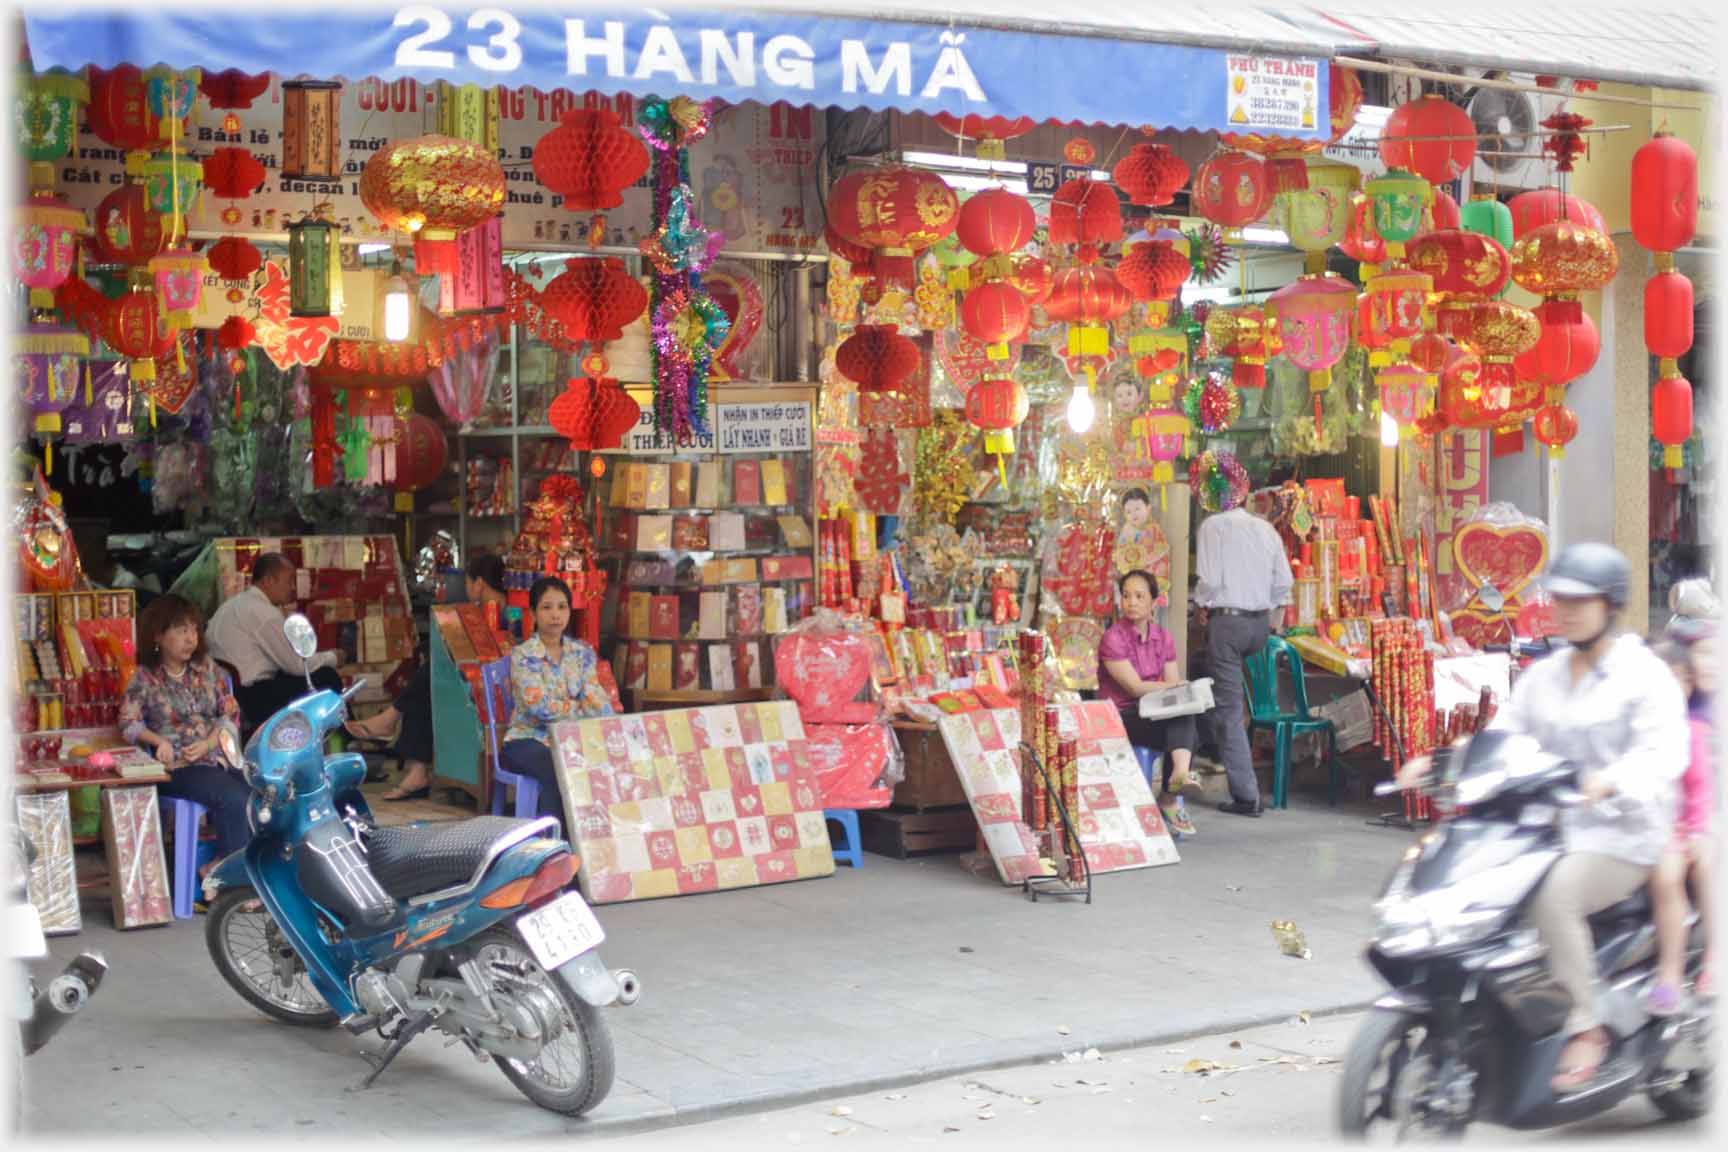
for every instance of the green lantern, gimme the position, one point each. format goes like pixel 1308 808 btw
pixel 173 184
pixel 314 267
pixel 45 114
pixel 1400 199
pixel 1486 216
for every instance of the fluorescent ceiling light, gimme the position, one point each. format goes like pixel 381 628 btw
pixel 1264 236
pixel 980 183
pixel 369 248
pixel 951 161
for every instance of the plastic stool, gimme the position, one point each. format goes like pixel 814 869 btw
pixel 186 817
pixel 527 794
pixel 1148 767
pixel 852 852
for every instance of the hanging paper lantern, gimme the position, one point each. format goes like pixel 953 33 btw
pixel 120 112
pixel 233 173
pixel 1150 175
pixel 1531 210
pixel 1231 189
pixel 995 313
pixel 232 89
pixel 1671 415
pixel 994 224
pixel 989 132
pixel 1444 212
pixel 45 246
pixel 235 258
pixel 1317 216
pixel 1566 349
pixel 1086 212
pixel 46 359
pixel 1248 337
pixel 473 280
pixel 1429 351
pixel 1284 154
pixel 1406 394
pixel 589 159
pixel 997 406
pixel 435 186
pixel 172 96
pixel 1166 435
pixel 1465 267
pixel 594 299
pixel 1563 259
pixel 1034 278
pixel 1362 242
pixel 896 213
pixel 314 268
pixel 572 414
pixel 235 334
pixel 174 184
pixel 312 130
pixel 1400 201
pixel 1668 311
pixel 1394 304
pixel 1089 295
pixel 468 112
pixel 877 358
pixel 132 327
pixel 1485 215
pixel 45 114
pixel 1153 271
pixel 1664 194
pixel 1556 426
pixel 1313 314
pixel 179 278
pixel 1431 137
pixel 128 230
pixel 1212 404
pixel 615 414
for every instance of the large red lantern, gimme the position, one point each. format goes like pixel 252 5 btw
pixel 896 213
pixel 988 132
pixel 997 405
pixel 995 222
pixel 1664 194
pixel 1556 426
pixel 995 313
pixel 1563 259
pixel 235 258
pixel 128 230
pixel 1285 167
pixel 1393 308
pixel 120 113
pixel 877 358
pixel 1150 175
pixel 132 326
pixel 1668 315
pixel 856 255
pixel 1430 136
pixel 589 159
pixel 1671 416
pixel 1231 190
pixel 1153 270
pixel 1566 350
pixel 1465 267
pixel 421 452
pixel 233 173
pixel 594 299
pixel 1033 277
pixel 1531 210
pixel 1085 211
pixel 1090 295
pixel 433 186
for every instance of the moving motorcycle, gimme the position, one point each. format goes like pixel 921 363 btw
pixel 465 927
pixel 1474 1026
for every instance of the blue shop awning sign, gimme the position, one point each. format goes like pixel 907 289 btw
pixel 735 55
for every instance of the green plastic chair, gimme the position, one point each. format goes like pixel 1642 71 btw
pixel 1262 670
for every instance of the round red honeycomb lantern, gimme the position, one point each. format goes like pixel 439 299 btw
pixel 572 414
pixel 1430 136
pixel 589 159
pixel 896 213
pixel 233 173
pixel 1150 175
pixel 615 414
pixel 877 358
pixel 236 333
pixel 594 299
pixel 234 258
pixel 1153 270
pixel 1230 189
pixel 1085 211
pixel 1089 295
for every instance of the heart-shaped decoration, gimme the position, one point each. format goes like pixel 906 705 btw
pixel 1506 559
pixel 740 297
pixel 822 673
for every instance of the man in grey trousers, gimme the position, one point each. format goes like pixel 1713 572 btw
pixel 1244 577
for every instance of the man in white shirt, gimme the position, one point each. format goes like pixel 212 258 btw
pixel 1243 576
pixel 246 632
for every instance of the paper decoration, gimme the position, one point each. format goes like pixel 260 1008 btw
pixel 849 760
pixel 137 867
pixel 45 819
pixel 822 672
pixel 1504 557
pixel 881 482
pixel 691 800
pixel 1079 567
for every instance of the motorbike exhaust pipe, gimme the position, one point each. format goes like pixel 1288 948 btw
pixel 65 995
pixel 629 988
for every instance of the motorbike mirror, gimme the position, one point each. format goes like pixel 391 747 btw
pixel 301 636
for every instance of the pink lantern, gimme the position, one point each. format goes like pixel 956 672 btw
pixel 1314 314
pixel 179 276
pixel 461 382
pixel 472 278
pixel 45 245
pixel 1166 432
pixel 1406 395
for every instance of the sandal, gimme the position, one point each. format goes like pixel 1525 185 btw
pixel 1580 1072
pixel 1176 816
pixel 362 730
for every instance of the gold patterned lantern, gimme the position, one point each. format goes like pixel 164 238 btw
pixel 468 112
pixel 1563 259
pixel 433 186
pixel 311 130
pixel 1499 333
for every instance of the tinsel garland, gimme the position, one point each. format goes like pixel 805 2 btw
pixel 1212 404
pixel 685 330
pixel 1219 481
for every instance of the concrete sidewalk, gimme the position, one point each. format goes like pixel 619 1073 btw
pixel 898 972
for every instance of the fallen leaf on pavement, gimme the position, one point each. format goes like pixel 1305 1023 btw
pixel 1236 1044
pixel 1209 1100
pixel 1304 1017
pixel 1063 1030
pixel 1201 1067
pixel 986 1116
pixel 1030 1100
pixel 841 1110
pixel 1092 1056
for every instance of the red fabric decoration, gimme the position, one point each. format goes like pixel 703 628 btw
pixel 1230 189
pixel 233 88
pixel 1435 160
pixel 420 452
pixel 856 255
pixel 1567 348
pixel 233 173
pixel 1088 295
pixel 120 113
pixel 1664 194
pixel 128 230
pixel 1531 210
pixel 1085 211
pixel 1153 271
pixel 594 299
pixel 896 213
pixel 589 159
pixel 1668 315
pixel 1151 175
pixel 572 414
pixel 995 221
pixel 234 258
pixel 236 333
pixel 1566 143
pixel 877 358
pixel 995 313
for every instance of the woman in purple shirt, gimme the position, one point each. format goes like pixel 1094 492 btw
pixel 1138 657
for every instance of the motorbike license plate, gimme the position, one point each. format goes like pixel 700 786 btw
pixel 561 931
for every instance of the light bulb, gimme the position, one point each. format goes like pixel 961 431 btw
pixel 398 310
pixel 1388 431
pixel 1081 410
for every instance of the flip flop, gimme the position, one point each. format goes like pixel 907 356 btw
pixel 413 794
pixel 1572 1077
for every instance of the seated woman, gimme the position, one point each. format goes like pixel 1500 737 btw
pixel 407 722
pixel 174 704
pixel 1138 657
pixel 552 679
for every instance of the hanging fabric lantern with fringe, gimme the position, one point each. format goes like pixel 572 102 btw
pixel 433 186
pixel 896 213
pixel 45 246
pixel 1313 315
pixel 1316 216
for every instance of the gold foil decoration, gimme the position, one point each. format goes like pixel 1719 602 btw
pixel 1562 258
pixel 433 186
pixel 1501 330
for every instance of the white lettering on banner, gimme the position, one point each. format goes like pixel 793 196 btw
pixel 411 53
pixel 798 72
pixel 952 71
pixel 740 59
pixel 577 48
pixel 509 52
pixel 776 427
pixel 896 66
pixel 661 53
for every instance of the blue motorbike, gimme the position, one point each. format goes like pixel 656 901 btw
pixel 469 928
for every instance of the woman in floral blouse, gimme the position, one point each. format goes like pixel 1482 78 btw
pixel 552 679
pixel 175 702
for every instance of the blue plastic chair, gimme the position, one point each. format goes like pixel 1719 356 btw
pixel 186 815
pixel 1264 713
pixel 495 686
pixel 1149 767
pixel 852 851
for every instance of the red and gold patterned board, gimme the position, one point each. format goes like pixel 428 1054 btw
pixel 1120 824
pixel 691 800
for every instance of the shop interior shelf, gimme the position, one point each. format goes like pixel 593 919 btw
pixel 702 696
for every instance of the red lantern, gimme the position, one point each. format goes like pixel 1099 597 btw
pixel 1668 315
pixel 1445 212
pixel 988 131
pixel 615 414
pixel 233 173
pixel 1465 267
pixel 997 405
pixel 1671 416
pixel 1471 394
pixel 236 333
pixel 877 358
pixel 233 88
pixel 896 213
pixel 855 255
pixel 1085 211
pixel 420 452
pixel 128 230
pixel 1230 189
pixel 1431 137
pixel 572 414
pixel 995 313
pixel 589 159
pixel 995 222
pixel 132 327
pixel 1090 295
pixel 1566 350
pixel 1033 277
pixel 1361 242
pixel 1154 271
pixel 1556 426
pixel 1664 194
pixel 1151 175
pixel 1429 351
pixel 436 186
pixel 1531 210
pixel 594 299
pixel 235 258
pixel 120 112
pixel 1394 302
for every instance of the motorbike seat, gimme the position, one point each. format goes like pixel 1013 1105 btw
pixel 411 861
pixel 1635 907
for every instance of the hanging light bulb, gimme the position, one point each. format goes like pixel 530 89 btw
pixel 398 308
pixel 1081 410
pixel 1388 430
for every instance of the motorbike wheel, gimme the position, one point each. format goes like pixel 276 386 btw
pixel 258 962
pixel 574 1070
pixel 1688 1100
pixel 1386 1049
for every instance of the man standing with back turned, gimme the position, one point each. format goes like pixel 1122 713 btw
pixel 1244 576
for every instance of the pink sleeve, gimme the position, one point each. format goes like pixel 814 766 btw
pixel 1114 646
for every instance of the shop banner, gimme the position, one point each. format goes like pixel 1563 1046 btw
pixel 779 426
pixel 735 55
